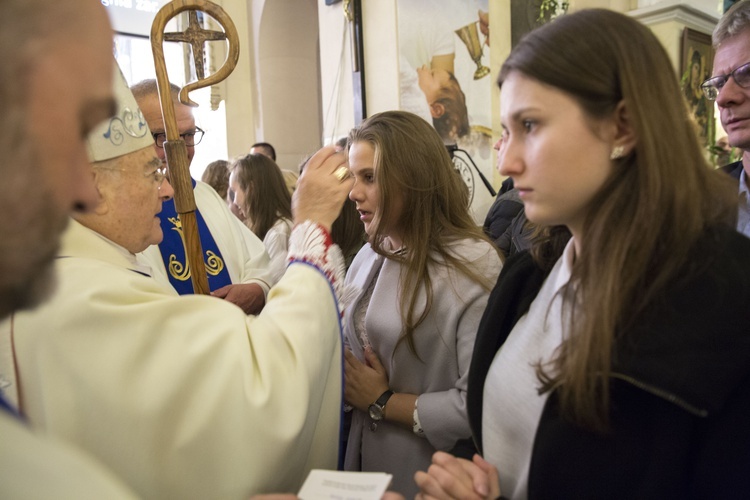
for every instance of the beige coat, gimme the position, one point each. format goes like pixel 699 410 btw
pixel 444 342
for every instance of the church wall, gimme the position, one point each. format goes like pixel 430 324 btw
pixel 289 80
pixel 238 88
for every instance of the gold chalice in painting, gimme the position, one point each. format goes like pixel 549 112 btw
pixel 468 34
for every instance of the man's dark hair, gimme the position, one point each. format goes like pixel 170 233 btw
pixel 269 149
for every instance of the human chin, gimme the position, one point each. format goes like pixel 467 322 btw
pixel 739 137
pixel 535 213
pixel 369 229
pixel 41 279
pixel 38 286
pixel 156 233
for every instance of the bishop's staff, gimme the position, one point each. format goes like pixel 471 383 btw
pixel 174 146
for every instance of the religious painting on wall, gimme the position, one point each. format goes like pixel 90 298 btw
pixel 695 66
pixel 445 79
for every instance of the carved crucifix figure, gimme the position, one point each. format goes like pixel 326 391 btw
pixel 196 36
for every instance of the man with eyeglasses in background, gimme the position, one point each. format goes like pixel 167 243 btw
pixel 729 86
pixel 236 260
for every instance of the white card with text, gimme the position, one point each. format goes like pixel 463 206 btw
pixel 338 485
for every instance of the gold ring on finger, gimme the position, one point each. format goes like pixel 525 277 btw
pixel 341 173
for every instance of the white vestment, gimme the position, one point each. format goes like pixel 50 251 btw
pixel 243 253
pixel 33 466
pixel 182 396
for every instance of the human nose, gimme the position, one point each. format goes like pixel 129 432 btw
pixel 355 194
pixel 509 159
pixel 166 192
pixel 730 93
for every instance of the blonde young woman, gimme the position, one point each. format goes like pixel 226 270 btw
pixel 618 367
pixel 423 281
pixel 265 205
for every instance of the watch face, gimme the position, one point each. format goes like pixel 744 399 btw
pixel 376 412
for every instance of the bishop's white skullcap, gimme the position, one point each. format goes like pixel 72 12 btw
pixel 125 132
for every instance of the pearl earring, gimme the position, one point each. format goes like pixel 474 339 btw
pixel 617 153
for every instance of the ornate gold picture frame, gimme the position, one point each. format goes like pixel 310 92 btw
pixel 696 64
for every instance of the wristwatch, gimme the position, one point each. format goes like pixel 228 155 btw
pixel 377 409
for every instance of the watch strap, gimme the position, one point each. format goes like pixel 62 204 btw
pixel 383 399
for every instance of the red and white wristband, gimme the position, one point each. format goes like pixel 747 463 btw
pixel 311 243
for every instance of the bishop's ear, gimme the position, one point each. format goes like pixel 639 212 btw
pixel 103 186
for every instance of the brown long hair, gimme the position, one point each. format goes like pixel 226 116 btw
pixel 267 198
pixel 642 224
pixel 412 164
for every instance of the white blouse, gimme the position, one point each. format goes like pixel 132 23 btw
pixel 512 404
pixel 277 246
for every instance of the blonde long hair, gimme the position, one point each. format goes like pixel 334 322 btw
pixel 412 164
pixel 647 217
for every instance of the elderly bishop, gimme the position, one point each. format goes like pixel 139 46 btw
pixel 184 396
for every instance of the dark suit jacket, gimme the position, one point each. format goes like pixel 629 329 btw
pixel 733 169
pixel 506 207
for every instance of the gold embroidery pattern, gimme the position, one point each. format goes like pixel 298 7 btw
pixel 181 270
pixel 214 264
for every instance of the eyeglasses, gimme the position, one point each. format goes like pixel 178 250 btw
pixel 158 174
pixel 712 86
pixel 190 138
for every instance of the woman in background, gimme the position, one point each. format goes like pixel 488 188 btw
pixel 619 366
pixel 422 283
pixel 265 205
pixel 216 175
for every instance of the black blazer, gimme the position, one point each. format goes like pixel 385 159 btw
pixel 680 390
